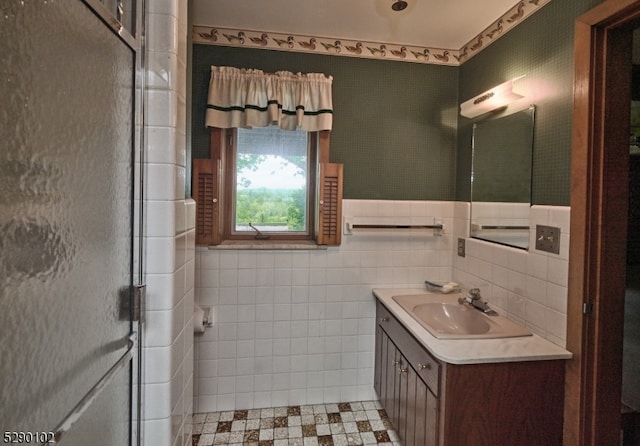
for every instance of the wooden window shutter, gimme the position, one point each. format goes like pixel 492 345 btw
pixel 206 193
pixel 329 221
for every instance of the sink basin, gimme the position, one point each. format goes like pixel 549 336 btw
pixel 452 318
pixel 445 318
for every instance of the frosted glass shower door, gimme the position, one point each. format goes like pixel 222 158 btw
pixel 68 141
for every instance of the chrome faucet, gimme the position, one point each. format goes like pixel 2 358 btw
pixel 475 300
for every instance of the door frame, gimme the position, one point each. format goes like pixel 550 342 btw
pixel 599 204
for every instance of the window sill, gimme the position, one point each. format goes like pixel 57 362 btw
pixel 283 245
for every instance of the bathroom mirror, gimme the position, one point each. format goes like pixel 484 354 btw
pixel 501 178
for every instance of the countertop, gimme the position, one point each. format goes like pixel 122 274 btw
pixel 471 351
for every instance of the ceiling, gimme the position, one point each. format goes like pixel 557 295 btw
pixel 444 24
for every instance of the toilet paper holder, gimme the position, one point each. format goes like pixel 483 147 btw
pixel 202 318
pixel 207 319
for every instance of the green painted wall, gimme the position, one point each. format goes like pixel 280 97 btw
pixel 542 49
pixel 396 126
pixel 394 122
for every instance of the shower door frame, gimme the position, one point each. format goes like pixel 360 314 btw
pixel 134 300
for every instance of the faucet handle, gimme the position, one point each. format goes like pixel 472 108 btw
pixel 475 293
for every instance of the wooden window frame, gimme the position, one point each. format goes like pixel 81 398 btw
pixel 212 191
pixel 229 151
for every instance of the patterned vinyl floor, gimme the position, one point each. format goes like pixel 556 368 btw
pixel 342 424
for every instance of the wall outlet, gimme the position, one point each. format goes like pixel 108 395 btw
pixel 548 239
pixel 461 247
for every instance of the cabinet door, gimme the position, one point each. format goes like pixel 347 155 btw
pixel 418 410
pixel 427 416
pixel 390 378
pixel 406 404
pixel 377 369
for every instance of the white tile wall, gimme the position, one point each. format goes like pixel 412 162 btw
pixel 297 327
pixel 530 287
pixel 170 234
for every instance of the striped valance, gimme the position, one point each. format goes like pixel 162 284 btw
pixel 251 98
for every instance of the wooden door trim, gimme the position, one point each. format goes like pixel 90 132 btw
pixel 598 222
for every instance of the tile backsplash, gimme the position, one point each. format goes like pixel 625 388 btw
pixel 297 327
pixel 529 287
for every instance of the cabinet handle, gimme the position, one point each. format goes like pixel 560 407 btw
pixel 424 366
pixel 396 362
pixel 384 319
pixel 403 370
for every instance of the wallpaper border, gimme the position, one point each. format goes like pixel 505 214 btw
pixel 212 35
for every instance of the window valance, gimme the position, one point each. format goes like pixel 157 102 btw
pixel 242 98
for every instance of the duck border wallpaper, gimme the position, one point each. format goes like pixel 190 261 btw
pixel 374 50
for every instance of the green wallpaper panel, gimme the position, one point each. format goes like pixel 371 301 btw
pixel 542 49
pixel 394 122
pixel 396 125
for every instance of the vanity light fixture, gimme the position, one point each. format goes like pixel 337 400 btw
pixel 498 97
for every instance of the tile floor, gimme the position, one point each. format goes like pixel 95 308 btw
pixel 342 424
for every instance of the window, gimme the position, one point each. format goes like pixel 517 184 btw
pixel 270 187
pixel 266 183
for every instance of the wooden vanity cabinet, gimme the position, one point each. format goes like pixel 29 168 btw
pixel 409 403
pixel 407 382
pixel 431 402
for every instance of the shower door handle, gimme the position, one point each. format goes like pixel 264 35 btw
pixel 86 401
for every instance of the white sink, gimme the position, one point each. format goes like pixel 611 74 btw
pixel 445 318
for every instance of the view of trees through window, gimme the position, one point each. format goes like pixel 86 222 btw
pixel 271 180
